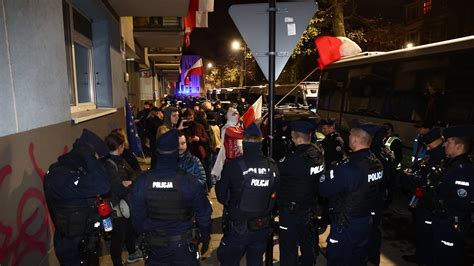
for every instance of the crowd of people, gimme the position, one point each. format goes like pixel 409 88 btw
pixel 308 183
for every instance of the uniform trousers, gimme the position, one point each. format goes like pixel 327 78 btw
pixel 68 252
pixel 297 230
pixel 424 235
pixel 375 237
pixel 347 244
pixel 449 241
pixel 238 242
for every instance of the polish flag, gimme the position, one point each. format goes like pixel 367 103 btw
pixel 196 69
pixel 187 36
pixel 253 113
pixel 206 5
pixel 331 49
pixel 202 19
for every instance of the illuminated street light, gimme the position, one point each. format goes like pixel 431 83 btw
pixel 235 45
pixel 409 45
pixel 209 65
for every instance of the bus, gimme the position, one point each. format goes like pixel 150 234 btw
pixel 432 82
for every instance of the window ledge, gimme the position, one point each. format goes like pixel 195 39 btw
pixel 82 116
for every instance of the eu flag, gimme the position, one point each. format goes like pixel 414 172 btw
pixel 132 133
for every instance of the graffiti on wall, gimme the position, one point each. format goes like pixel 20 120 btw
pixel 29 237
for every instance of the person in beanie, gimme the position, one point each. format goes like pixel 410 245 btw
pixel 71 187
pixel 247 189
pixel 163 203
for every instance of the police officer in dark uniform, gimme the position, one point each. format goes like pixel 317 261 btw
pixel 333 147
pixel 385 156
pixel 71 187
pixel 300 173
pixel 247 189
pixel 454 198
pixel 353 188
pixel 419 180
pixel 333 144
pixel 163 203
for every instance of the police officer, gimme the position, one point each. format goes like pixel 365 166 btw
pixel 300 173
pixel 247 189
pixel 419 149
pixel 385 156
pixel 71 187
pixel 333 144
pixel 163 203
pixel 454 198
pixel 394 143
pixel 419 180
pixel 353 188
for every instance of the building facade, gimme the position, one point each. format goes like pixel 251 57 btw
pixel 66 65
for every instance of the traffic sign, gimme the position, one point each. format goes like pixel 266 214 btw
pixel 292 19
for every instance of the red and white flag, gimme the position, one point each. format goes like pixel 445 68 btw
pixel 201 19
pixel 196 69
pixel 206 5
pixel 187 36
pixel 253 113
pixel 331 49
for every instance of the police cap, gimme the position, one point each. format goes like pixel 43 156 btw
pixel 95 142
pixel 431 136
pixel 459 131
pixel 327 121
pixel 168 142
pixel 253 130
pixel 302 126
pixel 370 128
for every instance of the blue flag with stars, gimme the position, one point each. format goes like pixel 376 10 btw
pixel 132 133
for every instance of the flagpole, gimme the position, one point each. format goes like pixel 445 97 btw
pixel 307 76
pixel 271 79
pixel 263 116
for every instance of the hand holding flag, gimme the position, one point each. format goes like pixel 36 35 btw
pixel 253 113
pixel 132 132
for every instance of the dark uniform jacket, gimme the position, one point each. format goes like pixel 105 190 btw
pixel 454 195
pixel 300 173
pixel 194 199
pixel 333 146
pixel 77 178
pixel 355 185
pixel 71 188
pixel 228 189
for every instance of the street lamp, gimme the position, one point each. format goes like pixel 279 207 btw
pixel 209 65
pixel 236 46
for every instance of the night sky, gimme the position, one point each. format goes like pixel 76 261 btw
pixel 213 43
